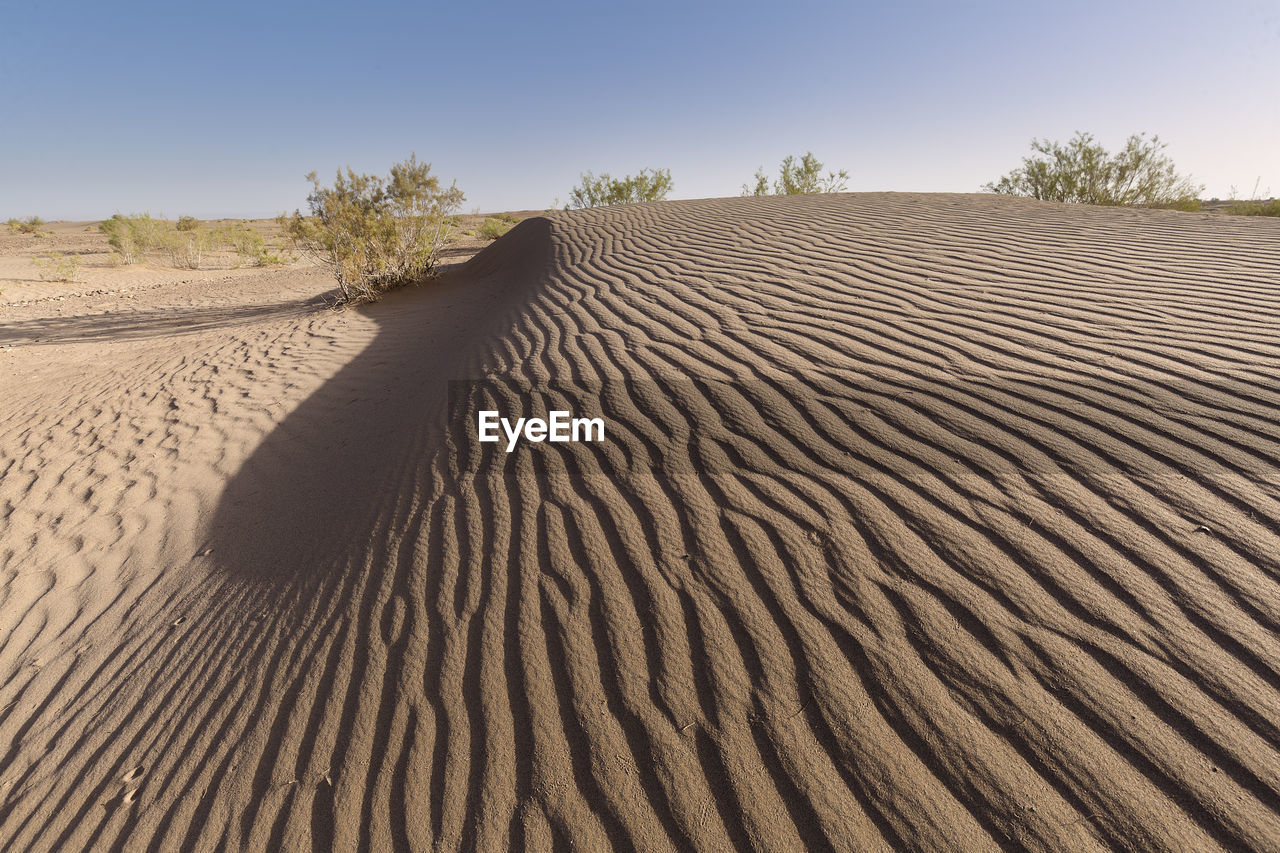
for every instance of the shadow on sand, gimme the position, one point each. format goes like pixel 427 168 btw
pixel 135 325
pixel 320 488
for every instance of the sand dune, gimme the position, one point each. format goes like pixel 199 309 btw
pixel 924 522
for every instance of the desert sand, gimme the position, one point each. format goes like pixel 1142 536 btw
pixel 924 522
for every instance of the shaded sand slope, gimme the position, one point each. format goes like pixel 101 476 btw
pixel 931 522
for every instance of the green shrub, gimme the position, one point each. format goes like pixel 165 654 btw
pixel 239 238
pixel 184 249
pixel 185 244
pixel 1082 171
pixel 1188 205
pixel 132 236
pixel 493 228
pixel 1255 207
pixel 248 244
pixel 272 256
pixel 30 225
pixel 796 178
pixel 647 185
pixel 55 266
pixel 376 233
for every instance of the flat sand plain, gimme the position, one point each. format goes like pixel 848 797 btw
pixel 924 522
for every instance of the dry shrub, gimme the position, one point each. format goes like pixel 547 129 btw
pixel 1083 172
pixel 30 225
pixel 1255 207
pixel 493 228
pixel 184 249
pixel 374 233
pixel 55 266
pixel 646 185
pixel 133 235
pixel 185 244
pixel 798 177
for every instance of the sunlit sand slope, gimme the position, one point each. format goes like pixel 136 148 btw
pixel 922 522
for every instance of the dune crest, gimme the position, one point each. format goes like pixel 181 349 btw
pixel 924 522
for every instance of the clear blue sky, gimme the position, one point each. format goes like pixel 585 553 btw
pixel 219 109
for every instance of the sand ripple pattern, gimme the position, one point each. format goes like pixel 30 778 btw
pixel 926 522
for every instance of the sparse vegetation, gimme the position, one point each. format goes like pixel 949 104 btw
pixel 184 249
pixel 272 256
pixel 250 246
pixel 131 236
pixel 30 225
pixel 1082 171
pixel 185 244
pixel 1255 204
pixel 597 191
pixel 55 266
pixel 1188 205
pixel 375 233
pixel 493 228
pixel 496 225
pixel 239 238
pixel 795 178
pixel 1255 207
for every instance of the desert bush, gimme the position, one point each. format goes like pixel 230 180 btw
pixel 55 266
pixel 1187 205
pixel 493 228
pixel 185 244
pixel 646 185
pixel 248 244
pixel 1255 207
pixel 796 178
pixel 1082 171
pixel 188 248
pixel 131 236
pixel 376 233
pixel 1255 204
pixel 271 256
pixel 120 239
pixel 30 225
pixel 184 249
pixel 239 238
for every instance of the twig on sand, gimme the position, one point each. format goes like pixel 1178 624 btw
pixel 802 709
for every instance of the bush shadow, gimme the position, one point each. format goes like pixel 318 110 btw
pixel 325 483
